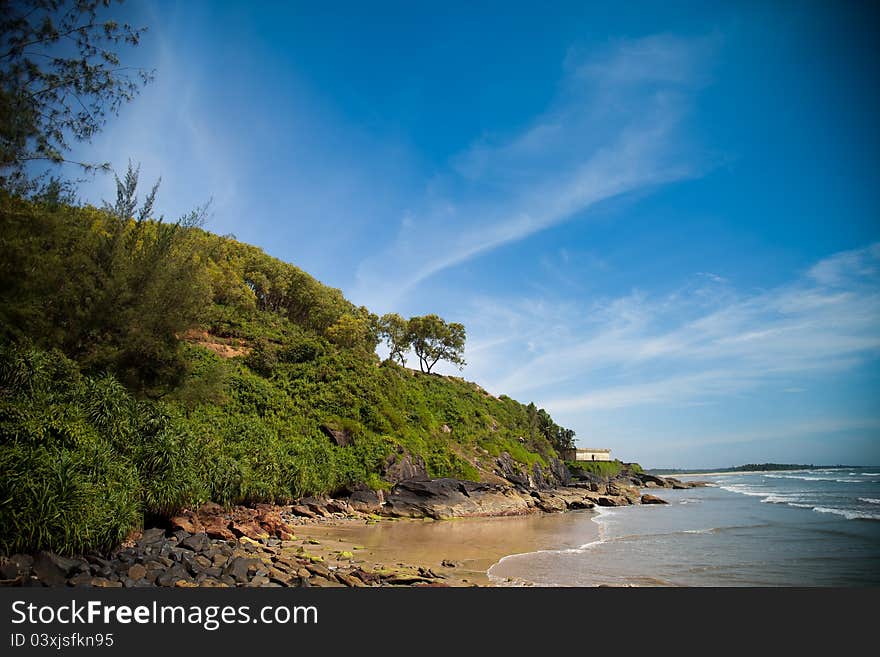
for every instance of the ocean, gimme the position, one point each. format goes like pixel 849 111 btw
pixel 792 528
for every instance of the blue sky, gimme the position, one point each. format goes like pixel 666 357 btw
pixel 661 222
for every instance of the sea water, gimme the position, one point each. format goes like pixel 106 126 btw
pixel 792 528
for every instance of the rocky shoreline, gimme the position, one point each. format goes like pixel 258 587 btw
pixel 261 546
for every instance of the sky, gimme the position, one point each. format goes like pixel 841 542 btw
pixel 659 221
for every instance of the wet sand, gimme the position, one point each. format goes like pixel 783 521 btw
pixel 473 544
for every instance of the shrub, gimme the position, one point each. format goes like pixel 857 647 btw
pixel 66 499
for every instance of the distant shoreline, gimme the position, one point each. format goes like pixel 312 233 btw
pixel 663 472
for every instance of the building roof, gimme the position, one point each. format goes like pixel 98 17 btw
pixel 593 449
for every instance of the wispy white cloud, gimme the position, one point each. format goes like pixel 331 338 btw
pixel 168 131
pixel 615 128
pixel 817 426
pixel 691 346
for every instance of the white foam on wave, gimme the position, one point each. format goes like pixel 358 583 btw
pixel 849 515
pixel 803 478
pixel 600 513
pixel 869 500
pixel 745 490
pixel 782 499
pixel 870 474
pixel 708 530
pixel 846 513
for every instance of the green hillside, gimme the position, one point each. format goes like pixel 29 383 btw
pixel 147 366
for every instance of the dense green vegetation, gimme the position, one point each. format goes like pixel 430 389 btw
pixel 148 365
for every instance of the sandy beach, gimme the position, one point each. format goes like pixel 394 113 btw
pixel 472 544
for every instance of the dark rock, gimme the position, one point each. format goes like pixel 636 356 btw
pixel 366 577
pixel 402 467
pixel 178 553
pixel 349 580
pixel 648 479
pixel 538 481
pixel 363 499
pixel 449 564
pixel 280 577
pixel 80 580
pixel 560 472
pixel 104 583
pixel 17 564
pixel 196 542
pixel 54 570
pixel 173 575
pixel 202 561
pixel 153 571
pixel 604 500
pixel 151 537
pixel 338 506
pixel 510 470
pixel 580 504
pixel 548 502
pixel 319 569
pixel 304 511
pixel 401 579
pixel 650 499
pixel 448 498
pixel 192 566
pixel 341 437
pixel 137 571
pixel 241 568
pixel 97 560
pixel 180 535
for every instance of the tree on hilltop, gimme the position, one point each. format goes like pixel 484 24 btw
pixel 394 329
pixel 433 340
